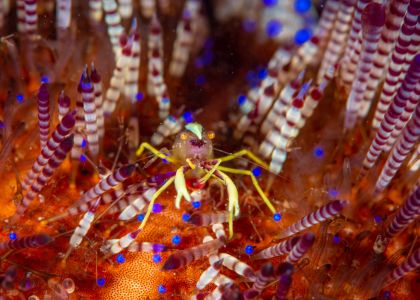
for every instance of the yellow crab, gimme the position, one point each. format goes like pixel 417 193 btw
pixel 192 153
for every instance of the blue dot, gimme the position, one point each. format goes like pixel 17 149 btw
pixel 269 2
pixel 262 73
pixel 302 35
pixel 333 193
pixel 166 100
pixel 249 25
pixel 120 258
pixel 83 158
pixel 2 125
pixel 200 80
pixel 249 249
pixel 241 99
pixel 207 57
pixel 188 117
pixel 139 96
pixel 157 208
pixel 251 76
pixel 302 6
pixel 256 171
pixel 140 217
pixel 165 161
pixel 277 217
pixel 387 295
pixel 44 79
pixel 196 204
pixel 273 28
pixel 158 248
pixel 100 281
pixel 336 239
pixel 84 143
pixel 156 258
pixel 199 62
pixel 19 98
pixel 12 236
pixel 161 289
pixel 186 217
pixel 378 219
pixel 319 152
pixel 176 240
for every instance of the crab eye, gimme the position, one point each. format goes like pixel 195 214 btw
pixel 211 135
pixel 184 136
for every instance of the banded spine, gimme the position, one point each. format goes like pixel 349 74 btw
pixel 32 241
pixel 278 249
pixel 43 114
pixel 301 247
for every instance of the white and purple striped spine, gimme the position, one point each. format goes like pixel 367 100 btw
pixel 405 215
pixel 63 14
pixel 168 127
pixel 395 68
pixel 237 266
pixel 82 229
pixel 95 10
pixel 63 105
pixel 21 16
pixel 393 113
pixel 62 131
pixel 148 8
pixel 326 212
pixel 89 108
pixel 97 87
pixel 79 138
pixel 53 163
pixel 209 275
pixel 125 8
pixel 154 53
pixel 107 183
pixel 326 22
pixel 373 20
pixel 277 250
pixel 338 36
pixel 137 205
pixel 400 152
pixel 31 18
pixel 410 264
pixel 132 76
pixel 146 247
pixel 409 109
pixel 264 277
pixel 118 245
pixel 301 247
pixel 354 45
pixel 113 21
pixel 394 17
pixel 43 114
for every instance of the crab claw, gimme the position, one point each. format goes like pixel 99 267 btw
pixel 233 205
pixel 181 187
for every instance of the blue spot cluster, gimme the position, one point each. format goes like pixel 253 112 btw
pixel 83 158
pixel 140 217
pixel 196 204
pixel 157 208
pixel 269 2
pixel 318 152
pixel 176 240
pixel 139 96
pixel 273 28
pixel 157 258
pixel 256 171
pixel 262 73
pixel 161 289
pixel 333 193
pixel 277 217
pixel 188 117
pixel 302 6
pixel 249 249
pixel 19 98
pixel 336 239
pixel 100 281
pixel 241 100
pixel 120 258
pixel 200 80
pixel 186 217
pixel 249 26
pixel 12 236
pixel 44 79
pixel 302 35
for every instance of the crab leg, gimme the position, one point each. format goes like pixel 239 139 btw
pixel 254 181
pixel 245 152
pixel 181 187
pixel 155 152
